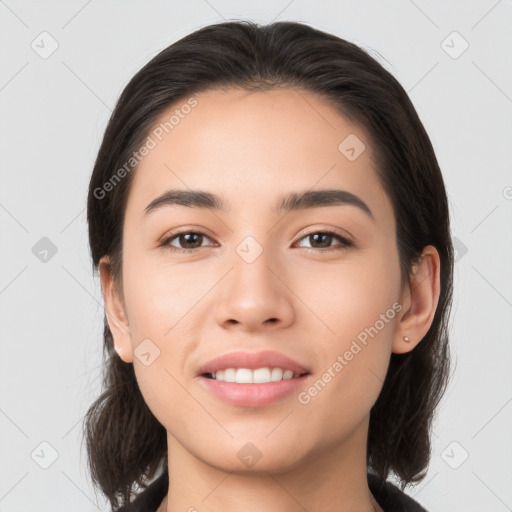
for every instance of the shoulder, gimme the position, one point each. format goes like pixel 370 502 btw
pixel 388 496
pixel 391 498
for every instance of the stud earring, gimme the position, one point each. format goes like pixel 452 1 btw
pixel 406 339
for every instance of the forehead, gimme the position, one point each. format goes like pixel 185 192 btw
pixel 250 148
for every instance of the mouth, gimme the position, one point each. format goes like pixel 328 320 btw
pixel 252 367
pixel 262 375
pixel 252 379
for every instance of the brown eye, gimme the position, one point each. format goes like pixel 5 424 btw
pixel 191 240
pixel 188 241
pixel 321 240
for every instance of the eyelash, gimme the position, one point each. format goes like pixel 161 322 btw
pixel 344 242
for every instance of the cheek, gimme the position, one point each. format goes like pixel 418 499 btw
pixel 159 303
pixel 358 305
pixel 158 295
pixel 351 296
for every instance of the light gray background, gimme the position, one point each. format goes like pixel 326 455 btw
pixel 53 112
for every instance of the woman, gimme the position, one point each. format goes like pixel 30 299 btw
pixel 271 231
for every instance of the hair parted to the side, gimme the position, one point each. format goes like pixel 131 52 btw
pixel 125 442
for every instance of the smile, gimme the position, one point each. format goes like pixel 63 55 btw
pixel 256 376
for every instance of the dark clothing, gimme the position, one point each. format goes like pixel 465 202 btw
pixel 388 496
pixel 391 498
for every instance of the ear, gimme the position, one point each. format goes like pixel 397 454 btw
pixel 116 315
pixel 419 300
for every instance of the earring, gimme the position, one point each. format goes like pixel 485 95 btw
pixel 406 339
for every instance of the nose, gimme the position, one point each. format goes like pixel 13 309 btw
pixel 255 297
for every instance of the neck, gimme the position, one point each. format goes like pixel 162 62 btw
pixel 334 478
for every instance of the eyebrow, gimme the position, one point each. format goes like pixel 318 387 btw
pixel 291 202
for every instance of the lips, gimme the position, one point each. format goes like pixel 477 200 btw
pixel 252 361
pixel 251 388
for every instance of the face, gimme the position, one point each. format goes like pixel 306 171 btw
pixel 318 284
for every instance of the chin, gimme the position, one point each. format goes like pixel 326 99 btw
pixel 257 459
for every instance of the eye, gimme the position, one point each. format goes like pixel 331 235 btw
pixel 321 241
pixel 191 241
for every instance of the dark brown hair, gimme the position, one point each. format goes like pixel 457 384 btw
pixel 125 442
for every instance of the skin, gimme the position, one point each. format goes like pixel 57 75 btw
pixel 251 148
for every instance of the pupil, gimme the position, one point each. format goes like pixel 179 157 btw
pixel 316 235
pixel 186 236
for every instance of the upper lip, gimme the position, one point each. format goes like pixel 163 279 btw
pixel 252 360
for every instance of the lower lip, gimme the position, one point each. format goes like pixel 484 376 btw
pixel 253 395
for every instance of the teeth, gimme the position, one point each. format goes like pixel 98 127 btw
pixel 258 376
pixel 229 375
pixel 277 374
